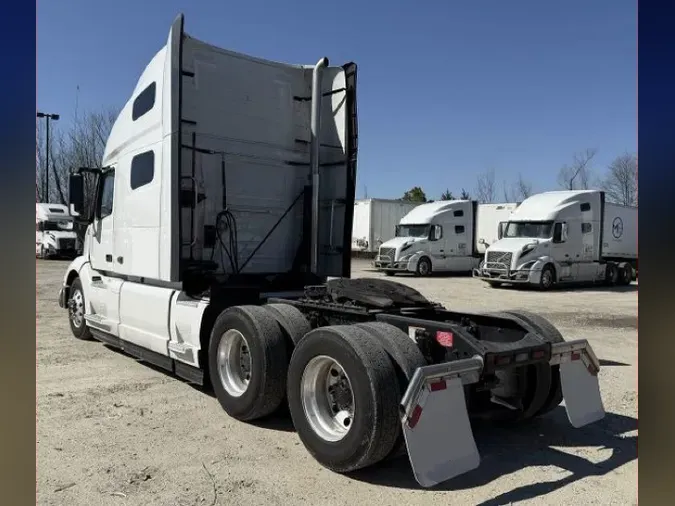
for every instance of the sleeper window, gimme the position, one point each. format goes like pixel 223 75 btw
pixel 142 169
pixel 144 102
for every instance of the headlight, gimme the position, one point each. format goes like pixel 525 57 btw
pixel 527 249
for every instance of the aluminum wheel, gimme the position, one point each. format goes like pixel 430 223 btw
pixel 547 278
pixel 76 308
pixel 327 398
pixel 234 362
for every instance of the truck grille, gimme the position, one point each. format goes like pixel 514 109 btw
pixel 66 243
pixel 498 259
pixel 387 252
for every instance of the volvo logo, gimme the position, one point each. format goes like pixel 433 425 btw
pixel 617 227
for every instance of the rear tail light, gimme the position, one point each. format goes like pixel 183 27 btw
pixel 576 355
pixel 503 360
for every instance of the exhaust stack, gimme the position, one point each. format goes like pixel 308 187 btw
pixel 315 126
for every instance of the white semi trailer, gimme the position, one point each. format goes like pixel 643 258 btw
pixel 442 236
pixel 54 234
pixel 563 237
pixel 224 204
pixel 375 222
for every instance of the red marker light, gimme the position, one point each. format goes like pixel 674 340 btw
pixel 444 338
pixel 538 354
pixel 576 355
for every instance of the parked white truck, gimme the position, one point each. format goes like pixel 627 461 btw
pixel 442 236
pixel 375 221
pixel 224 203
pixel 564 237
pixel 54 233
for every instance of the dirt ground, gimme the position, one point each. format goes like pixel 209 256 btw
pixel 113 431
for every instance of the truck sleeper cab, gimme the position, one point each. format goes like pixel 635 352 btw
pixel 228 243
pixel 54 233
pixel 564 237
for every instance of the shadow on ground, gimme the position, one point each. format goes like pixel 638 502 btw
pixel 507 450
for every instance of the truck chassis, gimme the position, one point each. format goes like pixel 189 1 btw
pixel 370 368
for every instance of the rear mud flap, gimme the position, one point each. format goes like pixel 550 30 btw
pixel 579 369
pixel 436 423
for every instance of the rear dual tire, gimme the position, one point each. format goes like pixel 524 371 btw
pixel 343 397
pixel 539 384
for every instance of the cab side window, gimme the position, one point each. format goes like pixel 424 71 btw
pixel 107 194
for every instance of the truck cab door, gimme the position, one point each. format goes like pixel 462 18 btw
pixel 563 252
pixel 101 230
pixel 105 286
pixel 438 247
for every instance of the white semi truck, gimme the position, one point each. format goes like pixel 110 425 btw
pixel 224 204
pixel 375 221
pixel 442 236
pixel 54 234
pixel 563 237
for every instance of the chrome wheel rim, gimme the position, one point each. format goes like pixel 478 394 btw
pixel 77 308
pixel 234 363
pixel 327 398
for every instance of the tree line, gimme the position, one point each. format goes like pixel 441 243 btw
pixel 618 180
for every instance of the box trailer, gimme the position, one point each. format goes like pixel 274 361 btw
pixel 222 211
pixel 375 222
pixel 564 237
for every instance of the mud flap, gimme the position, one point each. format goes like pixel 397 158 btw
pixel 579 369
pixel 436 423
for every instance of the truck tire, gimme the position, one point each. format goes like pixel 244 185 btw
pixel 359 373
pixel 625 274
pixel 544 327
pixel 248 362
pixel 423 267
pixel 535 380
pixel 291 320
pixel 547 279
pixel 76 309
pixel 612 274
pixel 404 354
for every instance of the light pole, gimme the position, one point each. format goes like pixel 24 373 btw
pixel 55 117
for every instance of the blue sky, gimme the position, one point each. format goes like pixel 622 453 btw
pixel 446 89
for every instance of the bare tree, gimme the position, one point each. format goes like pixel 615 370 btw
pixel 577 176
pixel 522 188
pixel 620 183
pixel 485 187
pixel 518 191
pixel 82 145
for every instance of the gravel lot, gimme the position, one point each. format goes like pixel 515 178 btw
pixel 115 431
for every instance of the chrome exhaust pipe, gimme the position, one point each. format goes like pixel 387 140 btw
pixel 315 127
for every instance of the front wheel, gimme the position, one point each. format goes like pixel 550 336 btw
pixel 547 279
pixel 343 396
pixel 76 310
pixel 423 267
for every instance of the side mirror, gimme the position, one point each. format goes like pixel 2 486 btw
pixel 76 195
pixel 500 229
pixel 564 232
